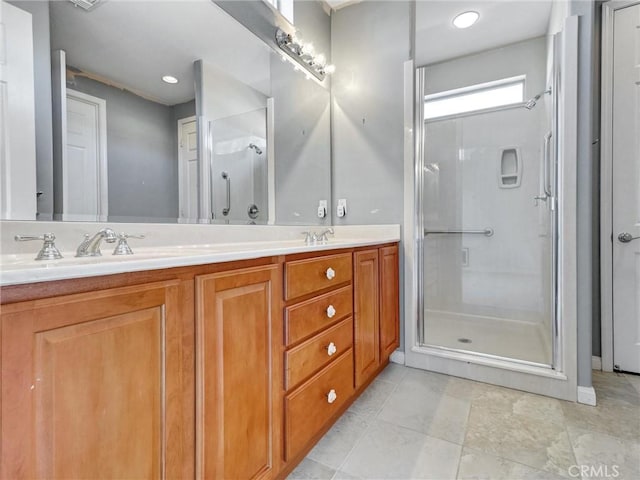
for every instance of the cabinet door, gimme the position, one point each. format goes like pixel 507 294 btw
pixel 93 384
pixel 389 301
pixel 239 373
pixel 366 315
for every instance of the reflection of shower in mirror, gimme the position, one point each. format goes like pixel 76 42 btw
pixel 256 148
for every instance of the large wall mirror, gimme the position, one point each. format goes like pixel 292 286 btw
pixel 167 111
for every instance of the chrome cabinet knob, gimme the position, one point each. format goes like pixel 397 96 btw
pixel 331 349
pixel 332 396
pixel 330 273
pixel 626 237
pixel 331 311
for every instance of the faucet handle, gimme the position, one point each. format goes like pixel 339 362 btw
pixel 322 237
pixel 307 237
pixel 49 251
pixel 123 248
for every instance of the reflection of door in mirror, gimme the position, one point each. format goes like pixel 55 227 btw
pixel 188 169
pixel 17 117
pixel 84 170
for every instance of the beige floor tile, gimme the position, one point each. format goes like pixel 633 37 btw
pixel 608 417
pixel 437 382
pixel 336 444
pixel 344 476
pixel 476 465
pixel 633 380
pixel 393 373
pixel 499 399
pixel 372 399
pixel 615 388
pixel 430 412
pixel 605 455
pixel 540 444
pixel 389 451
pixel 310 470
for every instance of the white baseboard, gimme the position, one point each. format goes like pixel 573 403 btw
pixel 587 396
pixel 596 363
pixel 397 357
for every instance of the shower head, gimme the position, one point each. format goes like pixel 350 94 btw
pixel 256 148
pixel 529 104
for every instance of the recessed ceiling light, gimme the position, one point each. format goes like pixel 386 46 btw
pixel 169 79
pixel 466 19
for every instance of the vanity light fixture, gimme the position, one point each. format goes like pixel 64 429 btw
pixel 304 54
pixel 466 19
pixel 85 4
pixel 169 79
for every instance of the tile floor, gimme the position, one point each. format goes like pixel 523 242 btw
pixel 415 424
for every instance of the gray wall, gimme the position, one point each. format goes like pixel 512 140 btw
pixel 370 43
pixel 42 82
pixel 141 154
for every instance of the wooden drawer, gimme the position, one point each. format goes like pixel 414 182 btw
pixel 307 409
pixel 305 319
pixel 307 276
pixel 310 356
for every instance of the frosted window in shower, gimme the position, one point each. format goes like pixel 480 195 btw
pixel 485 96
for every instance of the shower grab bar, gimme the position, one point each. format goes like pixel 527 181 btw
pixel 487 232
pixel 227 209
pixel 546 165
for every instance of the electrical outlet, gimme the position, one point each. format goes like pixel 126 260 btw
pixel 322 209
pixel 341 209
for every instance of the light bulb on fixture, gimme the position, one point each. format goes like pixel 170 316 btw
pixel 308 49
pixel 320 60
pixel 466 19
pixel 329 69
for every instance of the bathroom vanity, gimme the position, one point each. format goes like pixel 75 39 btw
pixel 219 369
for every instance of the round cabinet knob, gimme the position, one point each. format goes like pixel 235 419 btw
pixel 332 396
pixel 331 311
pixel 331 349
pixel 331 273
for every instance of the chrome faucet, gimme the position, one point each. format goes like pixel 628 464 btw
pixel 322 236
pixel 90 246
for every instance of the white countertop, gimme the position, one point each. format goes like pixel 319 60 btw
pixel 21 268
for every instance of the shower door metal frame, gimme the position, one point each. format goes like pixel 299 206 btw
pixel 419 236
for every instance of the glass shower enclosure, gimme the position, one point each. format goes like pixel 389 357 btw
pixel 487 209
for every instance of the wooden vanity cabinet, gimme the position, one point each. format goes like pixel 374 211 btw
pixel 376 309
pixel 230 370
pixel 92 385
pixel 239 371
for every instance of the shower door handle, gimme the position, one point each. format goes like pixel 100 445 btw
pixel 547 165
pixel 227 209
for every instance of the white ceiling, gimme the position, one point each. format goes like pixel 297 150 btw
pixel 135 43
pixel 500 23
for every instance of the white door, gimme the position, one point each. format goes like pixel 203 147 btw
pixel 84 170
pixel 626 189
pixel 17 115
pixel 188 168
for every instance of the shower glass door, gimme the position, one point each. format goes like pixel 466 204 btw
pixel 488 215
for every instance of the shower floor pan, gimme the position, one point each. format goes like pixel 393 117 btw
pixel 488 335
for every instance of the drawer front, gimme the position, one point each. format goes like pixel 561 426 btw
pixel 314 274
pixel 304 319
pixel 309 357
pixel 308 408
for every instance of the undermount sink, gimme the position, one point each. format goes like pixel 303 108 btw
pixel 69 258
